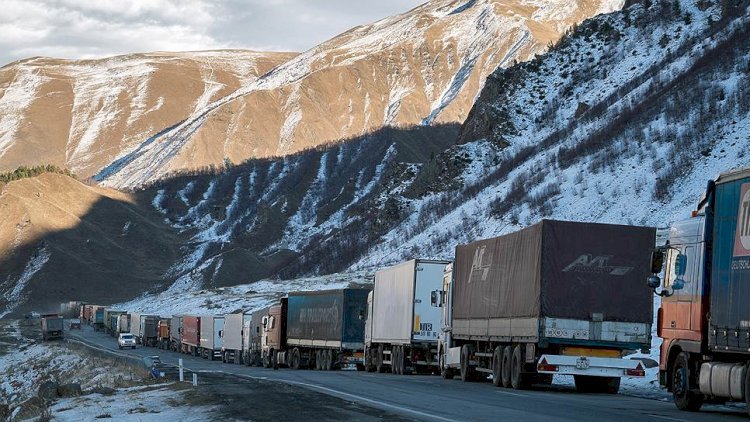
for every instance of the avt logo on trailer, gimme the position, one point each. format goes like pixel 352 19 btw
pixel 478 264
pixel 588 263
pixel 742 237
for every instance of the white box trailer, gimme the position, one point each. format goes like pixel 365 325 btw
pixel 232 337
pixel 210 336
pixel 135 326
pixel 402 327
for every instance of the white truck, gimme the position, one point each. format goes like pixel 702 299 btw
pixel 401 329
pixel 232 337
pixel 211 330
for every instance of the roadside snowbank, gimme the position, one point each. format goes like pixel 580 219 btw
pixel 144 403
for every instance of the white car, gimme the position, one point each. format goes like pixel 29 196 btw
pixel 126 340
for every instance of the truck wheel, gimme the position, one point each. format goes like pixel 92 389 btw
pixel 380 366
pixel 518 379
pixel 296 358
pixel 274 359
pixel 446 373
pixel 682 395
pixel 329 360
pixel 505 366
pixel 497 366
pixel 395 359
pixel 467 372
pixel 747 389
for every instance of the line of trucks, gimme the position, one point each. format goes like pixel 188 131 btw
pixel 556 298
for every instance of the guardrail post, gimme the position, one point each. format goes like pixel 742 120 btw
pixel 182 374
pixel 195 379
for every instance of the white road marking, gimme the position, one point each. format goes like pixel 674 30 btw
pixel 665 417
pixel 511 394
pixel 359 398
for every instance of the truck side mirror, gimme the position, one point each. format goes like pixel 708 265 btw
pixel 657 262
pixel 436 298
pixel 680 264
pixel 361 315
pixel 654 281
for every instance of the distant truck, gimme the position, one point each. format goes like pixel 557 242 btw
pixel 554 298
pixel 175 333
pixel 252 332
pixel 401 333
pixel 324 330
pixel 147 330
pixel 52 326
pixel 232 336
pixel 210 336
pixel 704 319
pixel 110 321
pixel 190 340
pixel 163 337
pixel 123 324
pixel 97 318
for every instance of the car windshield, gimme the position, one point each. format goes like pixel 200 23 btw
pixel 127 337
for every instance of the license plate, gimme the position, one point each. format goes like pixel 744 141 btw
pixel 582 363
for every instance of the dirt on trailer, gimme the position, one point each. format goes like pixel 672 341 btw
pixel 240 398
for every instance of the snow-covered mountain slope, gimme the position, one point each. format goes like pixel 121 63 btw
pixel 421 67
pixel 84 114
pixel 624 121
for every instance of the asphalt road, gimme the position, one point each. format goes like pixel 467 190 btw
pixel 426 397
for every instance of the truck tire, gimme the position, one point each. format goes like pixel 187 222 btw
pixel 446 373
pixel 747 389
pixel 467 372
pixel 682 395
pixel 396 360
pixel 274 359
pixel 518 379
pixel 505 367
pixel 497 366
pixel 380 365
pixel 296 359
pixel 328 360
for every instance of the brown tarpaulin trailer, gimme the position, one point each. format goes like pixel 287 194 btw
pixel 557 269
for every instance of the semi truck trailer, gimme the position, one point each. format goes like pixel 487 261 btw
pixel 98 318
pixel 52 326
pixel 401 332
pixel 232 336
pixel 210 336
pixel 325 330
pixel 190 341
pixel 149 330
pixel 175 333
pixel 163 336
pixel 704 318
pixel 123 324
pixel 554 298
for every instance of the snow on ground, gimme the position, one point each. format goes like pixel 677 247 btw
pixel 25 365
pixel 143 403
pixel 246 297
pixel 17 295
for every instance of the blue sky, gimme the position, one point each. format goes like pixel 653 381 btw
pixel 97 28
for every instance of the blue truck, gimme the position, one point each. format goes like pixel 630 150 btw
pixel 325 329
pixel 704 319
